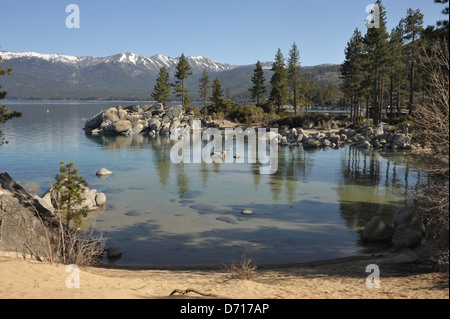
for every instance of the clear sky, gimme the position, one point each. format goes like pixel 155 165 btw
pixel 230 31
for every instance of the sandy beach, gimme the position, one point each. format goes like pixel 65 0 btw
pixel 331 279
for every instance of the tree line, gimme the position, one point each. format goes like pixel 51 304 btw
pixel 289 85
pixel 380 68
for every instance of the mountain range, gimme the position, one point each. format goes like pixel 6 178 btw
pixel 124 76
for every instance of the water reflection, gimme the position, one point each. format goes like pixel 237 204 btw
pixel 314 194
pixel 373 184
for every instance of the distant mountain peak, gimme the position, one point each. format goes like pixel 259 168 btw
pixel 198 63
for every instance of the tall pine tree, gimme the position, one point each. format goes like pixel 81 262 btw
pixel 278 94
pixel 294 75
pixel 396 69
pixel 204 90
pixel 217 96
pixel 376 42
pixel 353 73
pixel 258 89
pixel 161 91
pixel 413 28
pixel 183 71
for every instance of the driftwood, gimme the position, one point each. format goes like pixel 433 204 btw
pixel 187 291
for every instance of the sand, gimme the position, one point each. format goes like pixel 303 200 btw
pixel 336 279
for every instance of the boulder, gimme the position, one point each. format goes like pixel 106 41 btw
pixel 307 124
pixel 311 142
pixel 100 199
pixel 325 142
pixel 364 144
pixel 175 112
pixel 134 109
pixel 103 172
pixel 405 237
pixel 111 114
pixel 122 114
pixel 121 126
pixel 165 129
pixel 113 253
pixel 154 124
pixel 21 220
pixel 377 230
pixel 408 217
pixel 94 122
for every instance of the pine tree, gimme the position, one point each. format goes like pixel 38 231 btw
pixel 258 89
pixel 161 91
pixel 182 73
pixel 69 190
pixel 445 11
pixel 353 73
pixel 413 28
pixel 377 46
pixel 396 68
pixel 204 90
pixel 278 94
pixel 5 114
pixel 294 74
pixel 217 95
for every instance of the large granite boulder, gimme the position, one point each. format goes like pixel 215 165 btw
pixel 23 221
pixel 377 230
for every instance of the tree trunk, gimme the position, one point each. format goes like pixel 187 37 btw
pixel 391 101
pixel 411 89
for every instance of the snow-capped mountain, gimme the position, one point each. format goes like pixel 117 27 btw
pixel 153 64
pixel 121 76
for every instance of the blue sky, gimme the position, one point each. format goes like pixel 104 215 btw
pixel 231 31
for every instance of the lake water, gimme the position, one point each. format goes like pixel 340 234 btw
pixel 165 214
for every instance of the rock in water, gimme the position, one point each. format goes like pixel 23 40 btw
pixel 377 230
pixel 247 212
pixel 103 172
pixel 100 199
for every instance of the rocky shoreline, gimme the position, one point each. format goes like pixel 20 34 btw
pixel 156 120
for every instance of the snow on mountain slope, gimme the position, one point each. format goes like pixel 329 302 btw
pixel 153 63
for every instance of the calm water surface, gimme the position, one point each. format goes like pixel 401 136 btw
pixel 166 214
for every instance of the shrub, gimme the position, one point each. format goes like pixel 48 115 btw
pixel 246 270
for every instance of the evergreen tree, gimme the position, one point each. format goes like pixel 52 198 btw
pixel 228 95
pixel 413 28
pixel 205 87
pixel 161 91
pixel 443 23
pixel 5 114
pixel 353 73
pixel 278 94
pixel 69 190
pixel 183 71
pixel 294 75
pixel 396 68
pixel 377 46
pixel 217 95
pixel 258 89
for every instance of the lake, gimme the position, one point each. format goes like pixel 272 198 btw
pixel 165 214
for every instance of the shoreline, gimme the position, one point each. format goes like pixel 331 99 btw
pixel 341 278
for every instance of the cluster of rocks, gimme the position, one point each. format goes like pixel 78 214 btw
pixel 150 119
pixel 93 200
pixel 408 230
pixel 366 137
